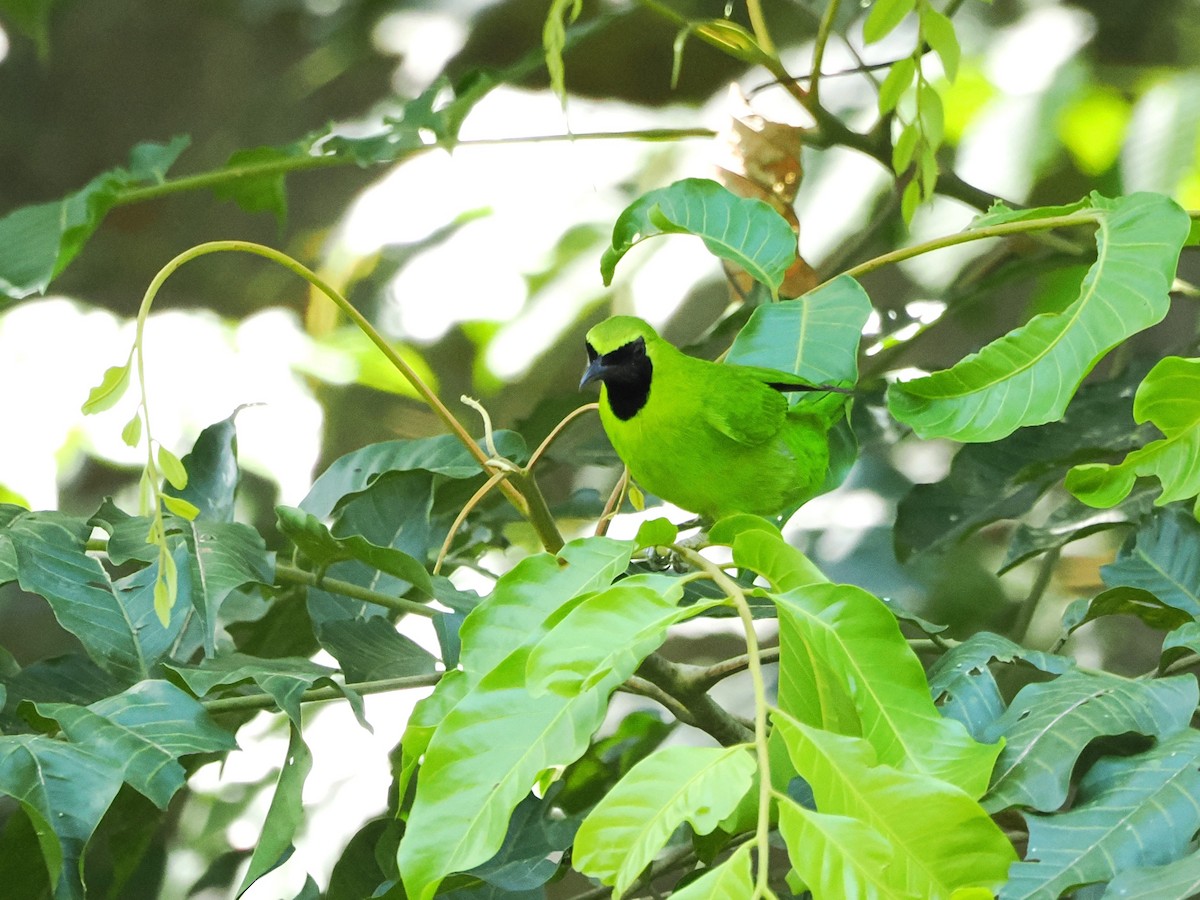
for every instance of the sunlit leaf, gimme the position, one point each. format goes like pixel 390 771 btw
pixel 109 391
pixel 746 232
pixel 731 880
pixel 1028 376
pixel 628 828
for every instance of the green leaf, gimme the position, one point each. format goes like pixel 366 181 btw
pixel 172 468
pixel 1179 643
pixel 899 79
pixel 815 337
pixel 1163 558
pixel 1127 601
pixel 212 472
pixel 64 790
pixel 142 732
pixel 38 242
pixel 604 631
pixel 730 38
pixel 1169 398
pixel 131 434
pixel 316 542
pixel 885 15
pixel 1048 726
pixel 536 830
pixel 767 553
pixel 286 813
pixel 354 472
pixel 951 844
pixel 656 533
pixel 837 856
pixel 260 191
pixel 1001 214
pixel 1180 878
pixel 731 880
pixel 109 391
pixel 938 31
pixel 1072 521
pixel 285 678
pixel 1028 376
pixel 371 649
pixel 845 666
pixel 746 232
pixel 1131 811
pixel 554 40
pixel 484 757
pixel 628 828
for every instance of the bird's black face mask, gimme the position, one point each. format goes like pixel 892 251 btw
pixel 625 372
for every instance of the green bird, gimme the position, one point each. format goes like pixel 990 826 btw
pixel 712 438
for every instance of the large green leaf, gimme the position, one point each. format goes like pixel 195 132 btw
pixel 939 838
pixel 1028 376
pixel 603 629
pixel 65 790
pixel 52 562
pixel 628 828
pixel 1180 878
pixel 369 649
pixel 837 856
pixel 1169 398
pixel 37 242
pixel 212 472
pixel 1163 557
pixel 746 232
pixel 815 336
pixel 537 832
pixel 142 732
pixel 1048 726
pixel 731 880
pixel 839 644
pixel 1132 811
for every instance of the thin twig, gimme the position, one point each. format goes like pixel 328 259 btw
pixel 245 702
pixel 292 575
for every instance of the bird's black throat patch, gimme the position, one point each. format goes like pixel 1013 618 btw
pixel 626 374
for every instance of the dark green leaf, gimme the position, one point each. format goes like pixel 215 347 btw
pixel 1180 878
pixel 142 732
pixel 1048 726
pixel 285 678
pixel 64 790
pixel 536 830
pixel 212 471
pixel 286 812
pixel 1179 643
pixel 1131 811
pixel 262 188
pixel 746 232
pixel 1071 522
pixel 1163 557
pixel 1128 601
pixel 370 649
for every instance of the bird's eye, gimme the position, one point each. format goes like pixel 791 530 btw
pixel 591 352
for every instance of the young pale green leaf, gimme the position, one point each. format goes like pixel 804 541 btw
pixel 285 814
pixel 1130 811
pixel 166 585
pixel 109 391
pixel 554 40
pixel 1048 726
pixel 840 645
pixel 746 232
pixel 1169 398
pixel 885 15
pixel 656 533
pixel 1028 376
pixel 628 828
pixel 815 336
pixel 938 31
pixel 172 468
pixel 143 732
pixel 131 434
pixel 905 148
pixel 605 629
pixel 731 880
pixel 1162 558
pixel 910 199
pixel 1180 878
pixel 899 79
pixel 65 790
pixel 485 755
pixel 180 507
pixel 940 838
pixel 285 678
pixel 838 856
pixel 731 38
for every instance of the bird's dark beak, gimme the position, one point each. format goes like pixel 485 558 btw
pixel 595 372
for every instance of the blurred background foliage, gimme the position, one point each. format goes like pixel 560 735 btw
pixel 483 262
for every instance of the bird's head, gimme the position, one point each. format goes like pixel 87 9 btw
pixel 617 350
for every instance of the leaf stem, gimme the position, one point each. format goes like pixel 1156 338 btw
pixel 247 702
pixel 758 23
pixel 293 575
pixel 754 664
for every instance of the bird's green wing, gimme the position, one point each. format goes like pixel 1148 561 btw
pixel 745 409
